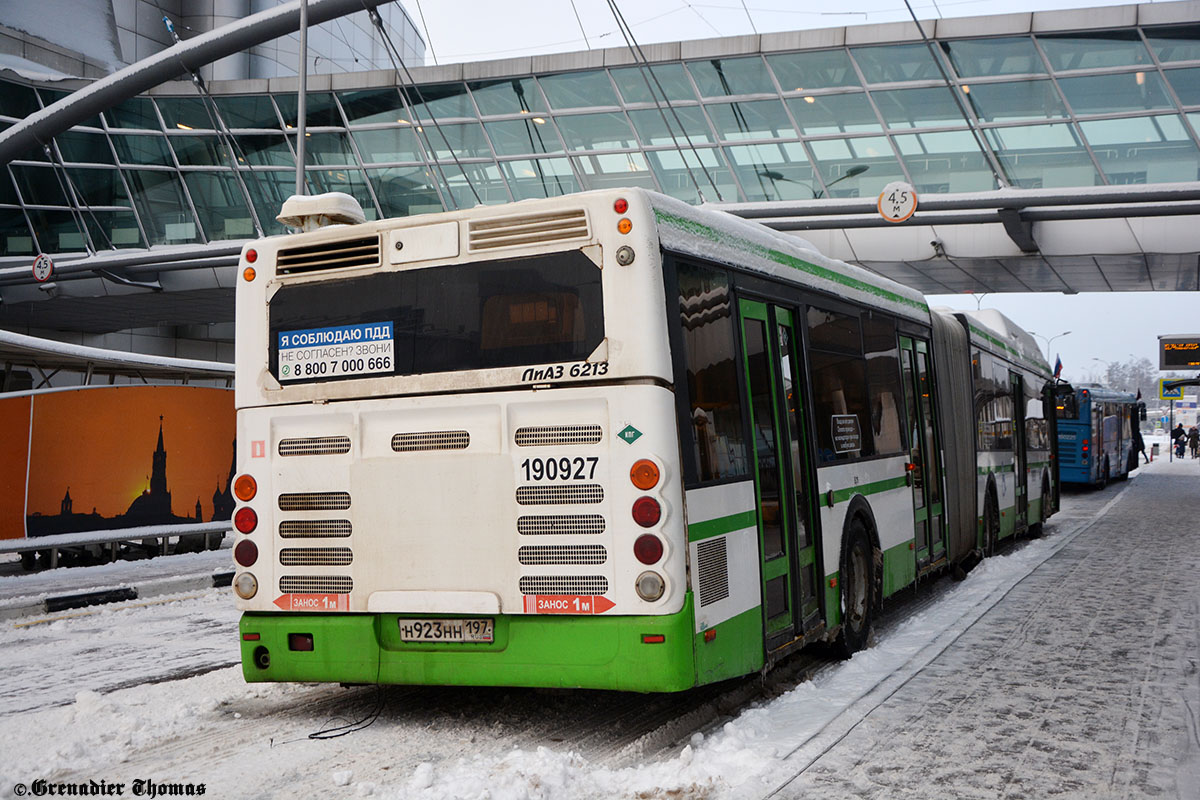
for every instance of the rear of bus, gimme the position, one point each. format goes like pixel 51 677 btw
pixel 458 453
pixel 1076 462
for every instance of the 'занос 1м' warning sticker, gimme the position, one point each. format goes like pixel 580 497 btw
pixel 336 352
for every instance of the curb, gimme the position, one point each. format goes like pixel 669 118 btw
pixel 119 594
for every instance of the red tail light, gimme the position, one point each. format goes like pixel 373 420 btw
pixel 648 549
pixel 245 520
pixel 245 553
pixel 646 512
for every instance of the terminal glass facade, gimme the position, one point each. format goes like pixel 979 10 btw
pixel 1056 109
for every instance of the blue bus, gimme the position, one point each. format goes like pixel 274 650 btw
pixel 1096 429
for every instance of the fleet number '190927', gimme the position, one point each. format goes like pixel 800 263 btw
pixel 560 469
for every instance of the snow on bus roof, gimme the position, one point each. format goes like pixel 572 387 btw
pixel 724 238
pixel 1001 331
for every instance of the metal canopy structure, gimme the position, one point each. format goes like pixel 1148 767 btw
pixel 45 356
pixel 1069 162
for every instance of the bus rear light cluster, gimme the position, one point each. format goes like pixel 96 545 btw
pixel 245 520
pixel 644 474
pixel 648 549
pixel 245 553
pixel 646 512
pixel 245 488
pixel 650 586
pixel 624 224
pixel 246 585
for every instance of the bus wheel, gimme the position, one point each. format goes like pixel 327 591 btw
pixel 858 581
pixel 1036 529
pixel 991 523
pixel 29 561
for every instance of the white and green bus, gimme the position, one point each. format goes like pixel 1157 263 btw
pixel 604 440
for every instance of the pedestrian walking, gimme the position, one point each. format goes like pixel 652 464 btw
pixel 1193 440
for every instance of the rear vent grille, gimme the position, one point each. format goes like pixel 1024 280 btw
pixel 712 566
pixel 431 440
pixel 314 528
pixel 563 554
pixel 557 435
pixel 560 495
pixel 564 584
pixel 527 229
pixel 329 255
pixel 552 524
pixel 316 584
pixel 315 556
pixel 316 446
pixel 314 501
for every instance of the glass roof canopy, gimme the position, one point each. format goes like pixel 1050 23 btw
pixel 1056 109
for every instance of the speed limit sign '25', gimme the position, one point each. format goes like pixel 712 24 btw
pixel 897 201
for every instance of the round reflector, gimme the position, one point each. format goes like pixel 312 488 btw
pixel 648 549
pixel 252 256
pixel 624 225
pixel 644 474
pixel 246 585
pixel 245 553
pixel 248 274
pixel 646 512
pixel 245 520
pixel 621 205
pixel 650 586
pixel 245 487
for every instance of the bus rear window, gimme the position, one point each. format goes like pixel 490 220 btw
pixel 1067 406
pixel 518 312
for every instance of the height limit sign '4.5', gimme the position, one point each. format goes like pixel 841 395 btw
pixel 43 268
pixel 897 201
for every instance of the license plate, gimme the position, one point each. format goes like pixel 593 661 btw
pixel 447 630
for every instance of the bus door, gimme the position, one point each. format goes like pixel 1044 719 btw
pixel 925 454
pixel 785 524
pixel 1020 448
pixel 1050 404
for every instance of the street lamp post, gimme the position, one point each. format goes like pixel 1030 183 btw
pixel 817 194
pixel 1048 340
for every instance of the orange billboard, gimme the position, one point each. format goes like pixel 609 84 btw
pixel 98 458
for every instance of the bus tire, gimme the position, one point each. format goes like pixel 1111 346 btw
pixel 1039 527
pixel 858 582
pixel 29 561
pixel 991 522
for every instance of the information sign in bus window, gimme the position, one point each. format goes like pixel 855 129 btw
pixel 1179 352
pixel 847 437
pixel 336 351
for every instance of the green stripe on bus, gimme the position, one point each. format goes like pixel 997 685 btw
pixel 715 527
pixel 842 495
pixel 783 259
pixel 1043 369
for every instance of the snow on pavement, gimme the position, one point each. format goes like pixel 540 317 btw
pixel 1065 668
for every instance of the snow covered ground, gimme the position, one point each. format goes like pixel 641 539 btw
pixel 1067 668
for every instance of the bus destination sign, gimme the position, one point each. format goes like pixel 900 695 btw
pixel 1179 352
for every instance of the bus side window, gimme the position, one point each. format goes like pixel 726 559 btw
pixel 718 442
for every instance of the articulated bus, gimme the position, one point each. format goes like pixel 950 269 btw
pixel 606 440
pixel 1095 434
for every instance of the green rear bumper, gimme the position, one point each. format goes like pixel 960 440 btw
pixel 586 652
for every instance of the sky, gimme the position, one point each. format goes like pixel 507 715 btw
pixel 526 27
pixel 1114 327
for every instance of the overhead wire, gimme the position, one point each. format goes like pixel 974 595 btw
pixel 980 142
pixel 648 75
pixel 424 146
